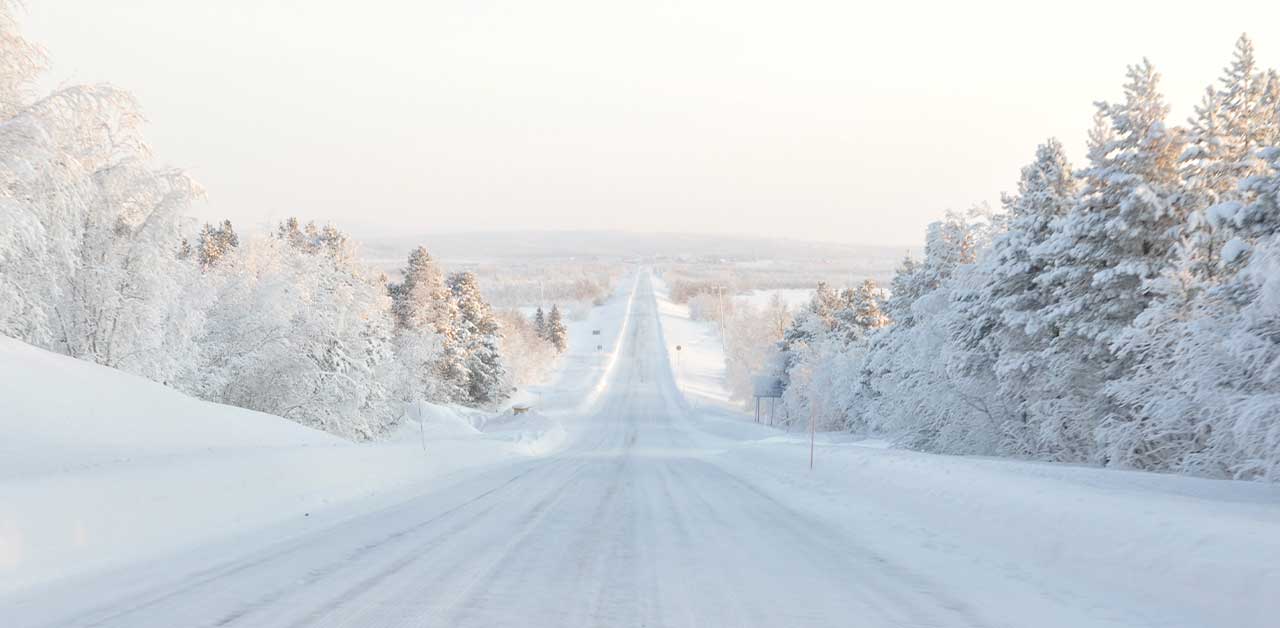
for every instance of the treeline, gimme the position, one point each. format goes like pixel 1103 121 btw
pixel 93 264
pixel 584 283
pixel 1125 314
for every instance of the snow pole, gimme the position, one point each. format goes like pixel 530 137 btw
pixel 813 431
pixel 422 425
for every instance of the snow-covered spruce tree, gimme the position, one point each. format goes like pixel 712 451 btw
pixel 540 323
pixel 1108 255
pixel 868 306
pixel 426 319
pixel 906 286
pixel 1259 217
pixel 813 321
pixel 997 335
pixel 1207 385
pixel 214 242
pixel 1208 184
pixel 1244 441
pixel 1229 127
pixel 479 336
pixel 556 333
pixel 809 326
pixel 1184 346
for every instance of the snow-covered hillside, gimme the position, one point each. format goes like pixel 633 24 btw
pixel 100 468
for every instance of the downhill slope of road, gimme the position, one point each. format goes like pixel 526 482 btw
pixel 645 518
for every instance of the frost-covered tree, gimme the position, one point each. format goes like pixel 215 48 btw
pixel 751 344
pixel 1258 217
pixel 302 332
pixel 1124 230
pixel 1206 387
pixel 89 234
pixel 906 364
pixel 1125 316
pixel 20 63
pixel 214 242
pixel 479 336
pixel 426 319
pixel 1230 126
pixel 997 334
pixel 1109 254
pixel 556 333
pixel 813 320
pixel 528 356
pixel 904 289
pixel 540 323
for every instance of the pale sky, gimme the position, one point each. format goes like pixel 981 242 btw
pixel 804 119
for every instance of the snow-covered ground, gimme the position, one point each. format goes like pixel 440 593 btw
pixel 793 297
pixel 666 509
pixel 694 351
pixel 1101 547
pixel 99 468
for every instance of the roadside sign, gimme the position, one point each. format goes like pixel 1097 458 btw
pixel 767 386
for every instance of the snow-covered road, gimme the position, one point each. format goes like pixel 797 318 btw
pixel 642 520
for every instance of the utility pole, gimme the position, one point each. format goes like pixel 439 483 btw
pixel 720 319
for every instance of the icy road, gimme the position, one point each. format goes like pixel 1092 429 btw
pixel 642 520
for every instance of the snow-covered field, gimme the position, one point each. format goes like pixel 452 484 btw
pixel 793 297
pixel 99 468
pixel 659 509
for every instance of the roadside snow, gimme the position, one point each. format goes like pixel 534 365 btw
pixel 698 363
pixel 99 468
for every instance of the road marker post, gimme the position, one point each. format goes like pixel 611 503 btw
pixel 813 431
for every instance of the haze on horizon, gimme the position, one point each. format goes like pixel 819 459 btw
pixel 817 120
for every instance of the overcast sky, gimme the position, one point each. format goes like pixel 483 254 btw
pixel 819 120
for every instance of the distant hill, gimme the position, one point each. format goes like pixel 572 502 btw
pixel 495 245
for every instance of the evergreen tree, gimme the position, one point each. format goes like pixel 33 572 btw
pixel 540 323
pixel 479 335
pixel 868 306
pixel 422 301
pixel 1208 181
pixel 556 333
pixel 424 310
pixel 214 243
pixel 817 317
pixel 1122 233
pixel 860 312
pixel 904 289
pixel 997 333
pixel 1259 217
pixel 1230 126
pixel 1109 254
